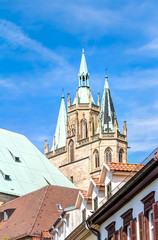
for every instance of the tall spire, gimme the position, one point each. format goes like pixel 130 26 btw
pixel 60 133
pixel 83 75
pixel 107 112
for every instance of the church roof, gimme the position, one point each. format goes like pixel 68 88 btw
pixel 23 168
pixel 60 133
pixel 83 95
pixel 107 112
pixel 35 211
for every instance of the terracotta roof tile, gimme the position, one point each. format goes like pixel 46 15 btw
pixel 45 234
pixel 84 193
pixel 125 167
pixel 35 211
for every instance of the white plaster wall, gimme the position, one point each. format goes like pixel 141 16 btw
pixel 137 206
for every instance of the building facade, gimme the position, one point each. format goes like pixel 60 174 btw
pixel 128 210
pixel 87 135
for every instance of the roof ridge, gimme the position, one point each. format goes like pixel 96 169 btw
pixel 39 209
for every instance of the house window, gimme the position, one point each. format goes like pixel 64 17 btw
pixel 108 188
pixel 108 155
pixel 95 203
pixel 128 232
pixel 128 222
pixel 96 154
pixel 148 201
pixel 111 230
pixel 71 150
pixel 151 225
pixel 120 155
pixel 84 214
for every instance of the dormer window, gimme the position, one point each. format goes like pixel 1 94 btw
pixel 7 177
pixel 17 159
pixel 8 213
pixel 5 215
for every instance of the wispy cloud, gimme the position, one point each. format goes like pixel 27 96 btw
pixel 7 83
pixel 14 35
pixel 137 78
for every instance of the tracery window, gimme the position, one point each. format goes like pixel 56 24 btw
pixel 120 155
pixel 71 150
pixel 83 129
pixel 96 157
pixel 108 155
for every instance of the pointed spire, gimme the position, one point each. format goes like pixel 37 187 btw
pixel 60 133
pixel 107 112
pixel 83 75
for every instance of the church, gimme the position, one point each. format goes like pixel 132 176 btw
pixel 87 133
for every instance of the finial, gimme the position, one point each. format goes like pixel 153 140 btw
pixel 62 92
pixel 83 47
pixel 106 70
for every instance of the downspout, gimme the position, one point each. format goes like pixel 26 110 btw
pixel 64 221
pixel 50 236
pixel 92 230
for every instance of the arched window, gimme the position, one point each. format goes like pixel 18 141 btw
pixel 120 155
pixel 108 156
pixel 96 159
pixel 71 150
pixel 83 129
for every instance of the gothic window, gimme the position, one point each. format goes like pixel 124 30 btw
pixel 83 129
pixel 96 158
pixel 120 155
pixel 108 155
pixel 71 150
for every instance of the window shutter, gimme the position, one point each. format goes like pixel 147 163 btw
pixel 141 226
pixel 115 235
pixel 121 233
pixel 133 225
pixel 155 220
pixel 125 233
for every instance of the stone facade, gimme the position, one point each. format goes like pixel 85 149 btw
pixel 87 145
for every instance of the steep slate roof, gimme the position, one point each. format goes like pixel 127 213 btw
pixel 60 133
pixel 31 172
pixel 35 211
pixel 107 112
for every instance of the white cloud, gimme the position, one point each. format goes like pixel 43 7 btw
pixel 17 38
pixel 137 78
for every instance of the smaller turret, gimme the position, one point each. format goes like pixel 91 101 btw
pixel 68 100
pixel 125 129
pixel 46 147
pixel 98 100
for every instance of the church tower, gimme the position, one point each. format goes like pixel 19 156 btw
pixel 88 134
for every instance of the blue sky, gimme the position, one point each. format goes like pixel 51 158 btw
pixel 40 52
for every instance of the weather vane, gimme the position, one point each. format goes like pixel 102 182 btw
pixel 62 91
pixel 106 71
pixel 83 44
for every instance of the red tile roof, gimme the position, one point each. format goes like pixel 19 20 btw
pixel 35 211
pixel 125 167
pixel 98 184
